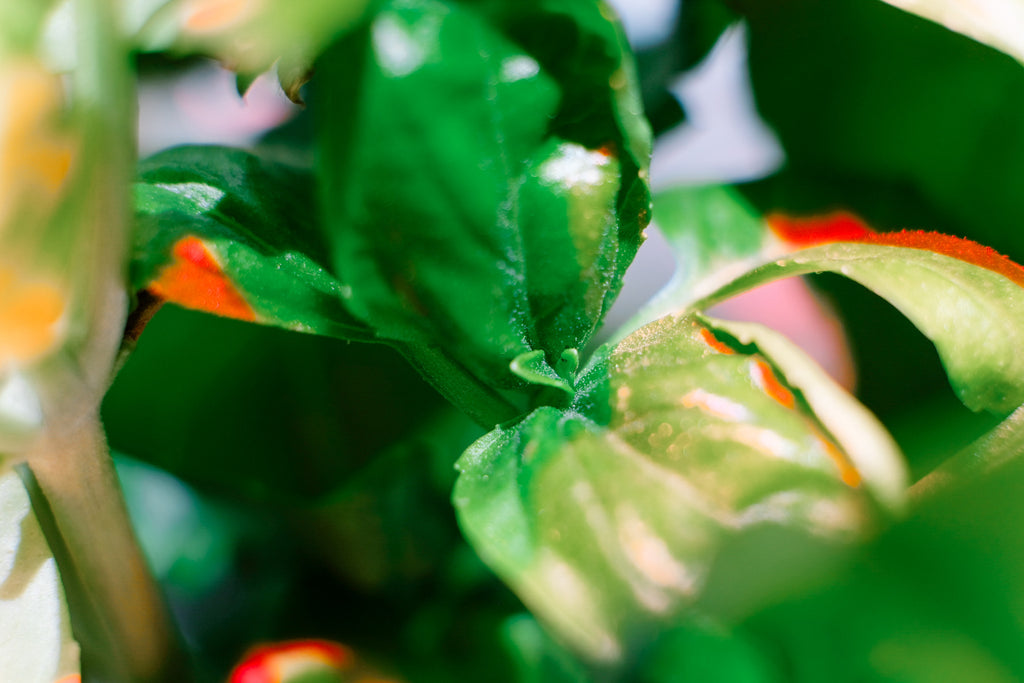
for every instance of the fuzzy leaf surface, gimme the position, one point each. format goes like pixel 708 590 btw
pixel 481 177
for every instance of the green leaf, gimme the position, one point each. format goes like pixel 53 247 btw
pixel 607 518
pixel 965 298
pixel 481 170
pixel 934 599
pixel 226 232
pixel 390 525
pixel 36 643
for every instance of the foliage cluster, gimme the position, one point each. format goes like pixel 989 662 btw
pixel 682 498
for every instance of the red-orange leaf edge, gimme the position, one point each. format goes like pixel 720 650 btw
pixel 194 279
pixel 841 226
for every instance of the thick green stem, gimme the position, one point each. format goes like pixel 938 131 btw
pixel 993 450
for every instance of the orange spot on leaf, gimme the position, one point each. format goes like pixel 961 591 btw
pixel 765 378
pixel 70 678
pixel 711 340
pixel 195 280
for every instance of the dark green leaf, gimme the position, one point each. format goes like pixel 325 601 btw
pixel 481 171
pixel 227 232
pixel 259 413
pixel 391 524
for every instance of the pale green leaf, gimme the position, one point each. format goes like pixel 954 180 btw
pixel 973 315
pixel 856 430
pixel 608 518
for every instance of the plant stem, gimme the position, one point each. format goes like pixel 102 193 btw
pixel 990 452
pixel 117 612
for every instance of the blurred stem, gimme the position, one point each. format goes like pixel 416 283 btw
pixel 998 447
pixel 118 615
pixel 117 612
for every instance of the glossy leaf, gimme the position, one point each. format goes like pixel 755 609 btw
pixel 966 298
pixel 223 231
pixel 606 518
pixel 481 177
pixel 36 644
